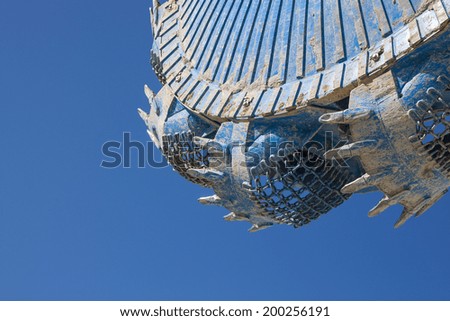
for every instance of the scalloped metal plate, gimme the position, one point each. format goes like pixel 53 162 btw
pixel 244 59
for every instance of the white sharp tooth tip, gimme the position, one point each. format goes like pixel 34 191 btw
pixel 348 116
pixel 209 175
pixel 357 185
pixel 143 114
pixel 210 200
pixel 230 217
pixel 148 92
pixel 257 228
pixel 383 205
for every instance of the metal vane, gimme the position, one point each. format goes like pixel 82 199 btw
pixel 287 108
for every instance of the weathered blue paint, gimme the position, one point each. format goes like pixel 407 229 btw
pixel 286 108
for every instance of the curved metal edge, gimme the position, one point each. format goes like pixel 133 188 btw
pixel 223 104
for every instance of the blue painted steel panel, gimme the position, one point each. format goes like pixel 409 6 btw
pixel 288 107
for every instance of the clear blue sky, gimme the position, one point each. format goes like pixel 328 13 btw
pixel 72 75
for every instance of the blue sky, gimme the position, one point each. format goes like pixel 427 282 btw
pixel 72 76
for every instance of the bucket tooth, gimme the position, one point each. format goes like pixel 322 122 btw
pixel 206 174
pixel 204 142
pixel 148 92
pixel 383 205
pixel 406 215
pixel 259 227
pixel 348 116
pixel 351 150
pixel 232 217
pixel 152 136
pixel 143 114
pixel 387 202
pixel 211 200
pixel 154 14
pixel 358 185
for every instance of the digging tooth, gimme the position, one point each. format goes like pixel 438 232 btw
pixel 348 116
pixel 211 200
pixel 143 114
pixel 351 150
pixel 259 227
pixel 232 217
pixel 358 185
pixel 148 92
pixel 206 174
pixel 383 205
pixel 387 202
pixel 406 215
